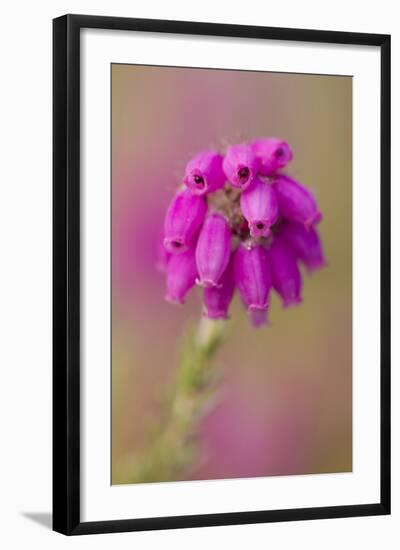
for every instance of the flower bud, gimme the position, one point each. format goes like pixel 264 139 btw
pixel 253 279
pixel 306 244
pixel 218 298
pixel 240 165
pixel 183 220
pixel 286 277
pixel 181 276
pixel 213 250
pixel 273 154
pixel 204 174
pixel 259 206
pixel 296 202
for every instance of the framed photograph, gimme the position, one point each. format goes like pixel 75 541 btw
pixel 221 274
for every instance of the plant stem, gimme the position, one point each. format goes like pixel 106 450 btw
pixel 175 441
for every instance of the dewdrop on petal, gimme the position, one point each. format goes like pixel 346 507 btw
pixel 204 173
pixel 213 250
pixel 253 279
pixel 259 205
pixel 183 220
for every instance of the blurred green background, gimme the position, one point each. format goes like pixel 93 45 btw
pixel 284 402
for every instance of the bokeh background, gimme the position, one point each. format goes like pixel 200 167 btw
pixel 285 401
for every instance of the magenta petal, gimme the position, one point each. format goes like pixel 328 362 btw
pixel 306 244
pixel 240 165
pixel 257 316
pixel 273 154
pixel 204 173
pixel 253 279
pixel 286 277
pixel 213 250
pixel 181 276
pixel 183 220
pixel 218 298
pixel 163 256
pixel 259 206
pixel 296 202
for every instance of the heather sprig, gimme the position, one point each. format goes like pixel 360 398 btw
pixel 239 222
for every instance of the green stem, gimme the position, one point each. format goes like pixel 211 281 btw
pixel 175 441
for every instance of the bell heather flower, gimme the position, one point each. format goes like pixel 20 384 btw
pixel 249 235
pixel 181 275
pixel 286 278
pixel 253 279
pixel 259 206
pixel 183 220
pixel 273 154
pixel 306 244
pixel 213 249
pixel 296 202
pixel 240 165
pixel 218 298
pixel 204 173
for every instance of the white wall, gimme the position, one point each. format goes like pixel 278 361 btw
pixel 25 300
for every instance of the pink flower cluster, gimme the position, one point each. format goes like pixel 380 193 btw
pixel 239 223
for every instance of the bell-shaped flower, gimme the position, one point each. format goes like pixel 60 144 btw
pixel 296 202
pixel 240 165
pixel 253 279
pixel 259 205
pixel 181 276
pixel 306 244
pixel 213 249
pixel 286 277
pixel 217 299
pixel 273 154
pixel 204 173
pixel 185 216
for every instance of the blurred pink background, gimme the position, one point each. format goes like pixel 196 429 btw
pixel 284 405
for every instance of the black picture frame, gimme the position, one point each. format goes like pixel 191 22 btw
pixel 66 273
